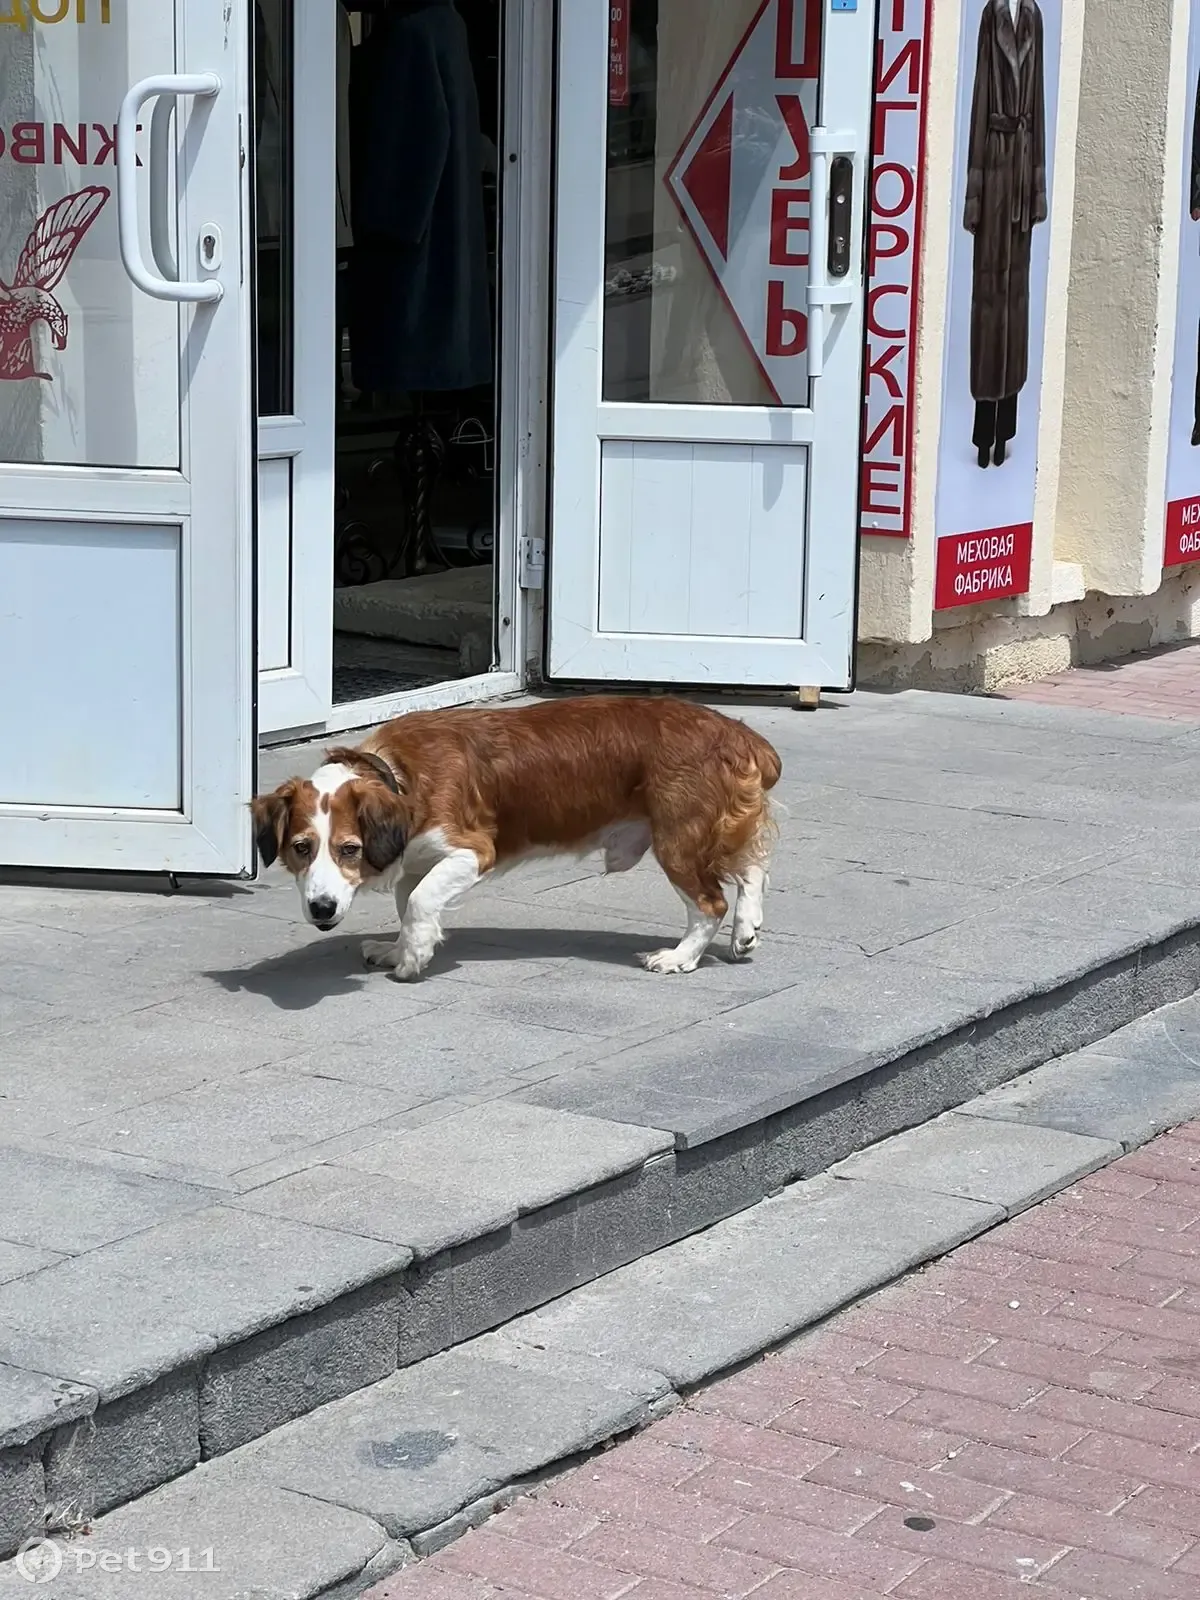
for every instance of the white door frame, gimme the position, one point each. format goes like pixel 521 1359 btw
pixel 207 499
pixel 579 648
pixel 291 699
pixel 296 510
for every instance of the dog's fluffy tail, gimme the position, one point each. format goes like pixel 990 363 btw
pixel 746 831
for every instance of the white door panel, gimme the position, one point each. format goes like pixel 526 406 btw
pixel 126 528
pixel 295 236
pixel 708 340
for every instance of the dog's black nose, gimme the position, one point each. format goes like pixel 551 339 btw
pixel 322 911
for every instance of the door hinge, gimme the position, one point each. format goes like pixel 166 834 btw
pixel 531 564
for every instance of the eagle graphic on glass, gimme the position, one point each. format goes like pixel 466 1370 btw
pixel 28 300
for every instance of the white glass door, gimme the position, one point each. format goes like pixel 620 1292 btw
pixel 298 50
pixel 708 340
pixel 126 442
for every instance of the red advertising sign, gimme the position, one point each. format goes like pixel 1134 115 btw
pixel 618 53
pixel 974 567
pixel 897 180
pixel 734 192
pixel 1183 532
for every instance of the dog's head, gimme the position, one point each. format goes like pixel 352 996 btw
pixel 335 831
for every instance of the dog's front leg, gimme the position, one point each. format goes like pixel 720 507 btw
pixel 421 930
pixel 386 952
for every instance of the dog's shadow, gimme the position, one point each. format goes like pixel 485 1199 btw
pixel 332 966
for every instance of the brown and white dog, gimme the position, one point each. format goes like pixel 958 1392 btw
pixel 436 801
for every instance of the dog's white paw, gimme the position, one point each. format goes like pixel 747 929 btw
pixel 380 952
pixel 411 962
pixel 669 961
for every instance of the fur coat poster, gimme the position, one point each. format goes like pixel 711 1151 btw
pixel 1006 191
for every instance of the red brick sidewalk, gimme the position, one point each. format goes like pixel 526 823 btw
pixel 1162 683
pixel 1021 1419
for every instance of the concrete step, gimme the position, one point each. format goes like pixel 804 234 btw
pixel 335 1499
pixel 215 1318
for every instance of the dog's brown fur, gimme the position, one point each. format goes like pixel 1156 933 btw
pixel 550 778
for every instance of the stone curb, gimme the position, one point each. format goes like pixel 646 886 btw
pixel 128 1434
pixel 401 1469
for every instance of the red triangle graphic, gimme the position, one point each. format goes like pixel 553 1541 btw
pixel 708 176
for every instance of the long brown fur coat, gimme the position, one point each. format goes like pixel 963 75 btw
pixel 1006 192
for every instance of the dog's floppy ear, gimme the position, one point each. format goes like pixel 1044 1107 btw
pixel 366 762
pixel 382 825
pixel 270 813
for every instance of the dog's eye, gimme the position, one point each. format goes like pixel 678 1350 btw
pixel 301 847
pixel 349 850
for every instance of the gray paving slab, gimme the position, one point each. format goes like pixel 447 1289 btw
pixel 1172 1030
pixel 18 1013
pixel 713 1300
pixel 30 1402
pixel 412 1451
pixel 245 1120
pixel 1026 948
pixel 66 1205
pixel 1100 1093
pixel 126 1313
pixel 447 1050
pixel 873 912
pixel 520 1156
pixel 1100 897
pixel 387 1207
pixel 18 1260
pixel 703 1081
pixel 44 901
pixel 259 1541
pixel 1001 1164
pixel 70 1072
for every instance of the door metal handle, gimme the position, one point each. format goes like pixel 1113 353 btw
pixel 201 290
pixel 839 152
pixel 162 246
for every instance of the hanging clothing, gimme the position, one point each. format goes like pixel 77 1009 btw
pixel 420 311
pixel 270 136
pixel 1006 191
pixel 345 43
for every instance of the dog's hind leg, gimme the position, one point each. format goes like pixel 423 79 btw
pixel 706 908
pixel 748 910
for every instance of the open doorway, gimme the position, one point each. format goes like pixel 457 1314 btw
pixel 418 234
pixel 416 122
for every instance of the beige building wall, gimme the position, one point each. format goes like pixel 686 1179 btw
pixel 897 577
pixel 1121 310
pixel 1097 589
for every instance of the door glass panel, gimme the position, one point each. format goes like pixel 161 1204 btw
pixel 89 366
pixel 273 77
pixel 707 200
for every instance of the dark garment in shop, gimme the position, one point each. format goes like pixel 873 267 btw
pixel 995 425
pixel 420 309
pixel 1006 192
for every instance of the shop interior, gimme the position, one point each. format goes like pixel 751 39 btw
pixel 417 228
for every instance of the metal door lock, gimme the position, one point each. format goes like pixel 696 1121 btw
pixel 841 193
pixel 210 247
